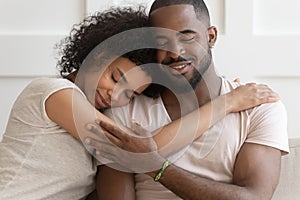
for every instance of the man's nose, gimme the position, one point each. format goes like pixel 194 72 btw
pixel 174 55
pixel 176 50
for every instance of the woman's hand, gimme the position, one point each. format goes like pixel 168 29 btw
pixel 250 95
pixel 124 138
pixel 123 146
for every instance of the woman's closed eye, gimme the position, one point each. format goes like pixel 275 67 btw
pixel 161 41
pixel 114 79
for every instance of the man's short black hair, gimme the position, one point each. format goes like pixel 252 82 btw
pixel 200 7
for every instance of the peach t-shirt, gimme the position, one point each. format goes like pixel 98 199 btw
pixel 212 155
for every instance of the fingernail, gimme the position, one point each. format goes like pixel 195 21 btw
pixel 89 127
pixel 87 141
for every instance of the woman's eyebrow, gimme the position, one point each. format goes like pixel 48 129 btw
pixel 122 75
pixel 135 92
pixel 124 78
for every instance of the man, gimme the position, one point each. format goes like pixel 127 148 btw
pixel 239 158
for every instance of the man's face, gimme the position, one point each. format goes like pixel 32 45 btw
pixel 183 44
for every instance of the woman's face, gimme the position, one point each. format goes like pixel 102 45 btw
pixel 119 83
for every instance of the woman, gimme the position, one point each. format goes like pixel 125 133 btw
pixel 41 156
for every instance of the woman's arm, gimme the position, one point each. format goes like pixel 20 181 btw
pixel 242 98
pixel 174 136
pixel 70 110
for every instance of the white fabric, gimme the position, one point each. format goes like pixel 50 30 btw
pixel 289 182
pixel 39 159
pixel 212 155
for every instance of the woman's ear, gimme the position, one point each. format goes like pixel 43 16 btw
pixel 212 36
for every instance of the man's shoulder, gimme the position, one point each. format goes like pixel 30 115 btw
pixel 271 109
pixel 228 85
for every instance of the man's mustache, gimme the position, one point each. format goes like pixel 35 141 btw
pixel 172 60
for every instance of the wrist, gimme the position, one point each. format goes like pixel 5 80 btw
pixel 152 174
pixel 162 170
pixel 227 101
pixel 156 175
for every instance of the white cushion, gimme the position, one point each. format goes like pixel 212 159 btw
pixel 289 182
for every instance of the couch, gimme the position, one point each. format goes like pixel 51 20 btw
pixel 289 182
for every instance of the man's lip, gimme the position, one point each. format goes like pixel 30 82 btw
pixel 176 64
pixel 180 67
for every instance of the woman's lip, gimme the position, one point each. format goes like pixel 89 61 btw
pixel 100 100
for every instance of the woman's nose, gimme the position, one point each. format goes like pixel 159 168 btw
pixel 110 92
pixel 115 94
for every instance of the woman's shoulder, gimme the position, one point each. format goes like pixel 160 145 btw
pixel 48 84
pixel 50 81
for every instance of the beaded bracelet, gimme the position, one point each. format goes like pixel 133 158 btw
pixel 161 171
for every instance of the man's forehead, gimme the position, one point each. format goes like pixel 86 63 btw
pixel 172 8
pixel 175 17
pixel 174 12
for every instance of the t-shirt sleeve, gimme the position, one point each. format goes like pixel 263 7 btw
pixel 30 105
pixel 268 126
pixel 52 85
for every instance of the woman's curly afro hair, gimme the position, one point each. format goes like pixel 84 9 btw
pixel 95 29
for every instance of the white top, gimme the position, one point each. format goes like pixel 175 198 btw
pixel 212 155
pixel 39 159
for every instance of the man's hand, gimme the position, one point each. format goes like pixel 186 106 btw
pixel 123 146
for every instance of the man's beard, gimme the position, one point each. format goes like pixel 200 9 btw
pixel 180 84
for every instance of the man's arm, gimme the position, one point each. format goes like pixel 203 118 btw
pixel 113 184
pixel 256 175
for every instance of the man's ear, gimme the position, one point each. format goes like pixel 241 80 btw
pixel 212 36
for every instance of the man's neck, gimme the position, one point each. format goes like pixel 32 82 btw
pixel 180 104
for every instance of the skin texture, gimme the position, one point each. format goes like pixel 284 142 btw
pixel 257 167
pixel 255 177
pixel 124 184
pixel 71 111
pixel 117 85
pixel 59 106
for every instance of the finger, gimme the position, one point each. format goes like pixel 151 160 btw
pixel 104 157
pixel 93 143
pixel 108 151
pixel 98 144
pixel 264 91
pixel 113 139
pixel 94 128
pixel 139 130
pixel 237 80
pixel 99 155
pixel 98 149
pixel 113 129
pixel 269 97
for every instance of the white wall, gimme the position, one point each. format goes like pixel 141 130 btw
pixel 259 40
pixel 28 32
